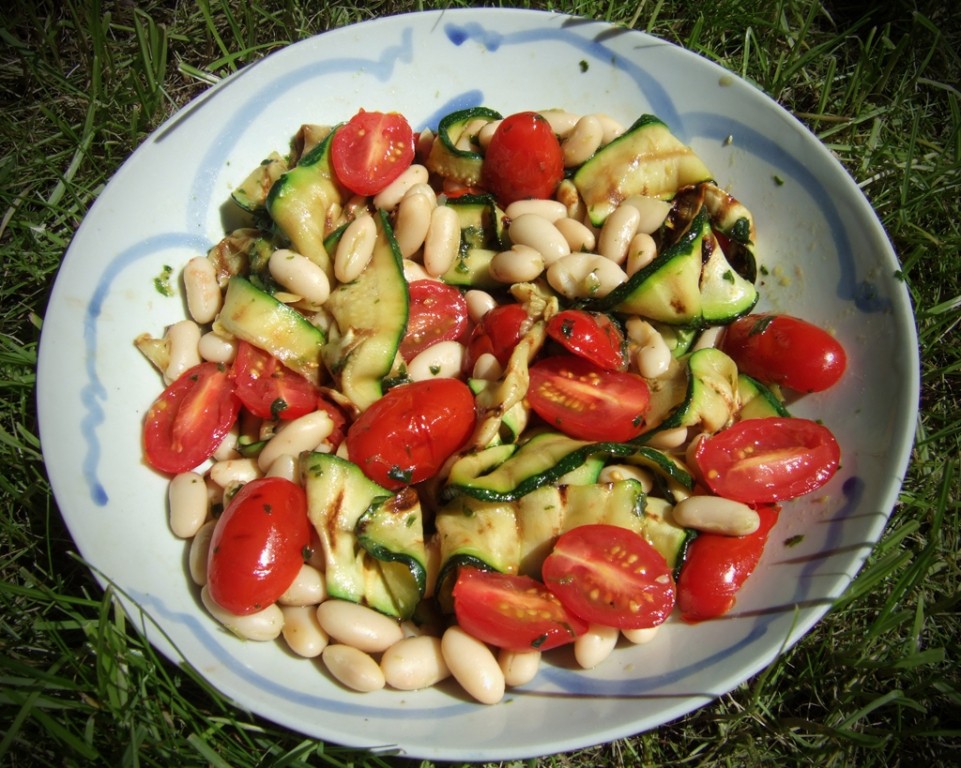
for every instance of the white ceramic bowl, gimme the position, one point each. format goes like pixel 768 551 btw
pixel 827 258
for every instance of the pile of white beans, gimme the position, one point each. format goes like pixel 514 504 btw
pixel 554 239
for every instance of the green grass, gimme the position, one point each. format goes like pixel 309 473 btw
pixel 875 683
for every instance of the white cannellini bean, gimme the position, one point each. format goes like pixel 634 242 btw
pixel 414 271
pixel 652 357
pixel 307 588
pixel 302 434
pixel 715 514
pixel 468 141
pixel 521 264
pixel 285 466
pixel 425 140
pixel 414 663
pixel 197 556
pixel 617 232
pixel 358 626
pixel 203 291
pixel 612 128
pixel 421 189
pixel 568 196
pixel 485 134
pixel 299 275
pixel 552 210
pixel 614 473
pixel 443 240
pixel 227 449
pixel 541 235
pixel 391 195
pixel 708 338
pixel 441 360
pixel 234 471
pixel 583 275
pixel 519 667
pixel 189 504
pixel 640 636
pixel 215 348
pixel 302 631
pixel 353 668
pixel 668 439
pixel 487 367
pixel 579 236
pixel 653 211
pixel 263 625
pixel 473 665
pixel 641 251
pixel 183 339
pixel 561 121
pixel 479 303
pixel 355 248
pixel 583 141
pixel 413 221
pixel 595 645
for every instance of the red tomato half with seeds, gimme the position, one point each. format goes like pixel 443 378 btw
pixel 759 461
pixel 269 389
pixel 513 612
pixel 184 426
pixel 591 335
pixel 407 435
pixel 610 575
pixel 785 350
pixel 438 312
pixel 716 567
pixel 371 150
pixel 586 402
pixel 258 545
pixel 523 160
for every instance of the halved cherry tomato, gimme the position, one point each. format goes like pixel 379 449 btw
pixel 513 612
pixel 371 150
pixel 326 402
pixel 610 575
pixel 759 461
pixel 184 426
pixel 497 333
pixel 410 432
pixel 584 401
pixel 523 160
pixel 716 567
pixel 269 389
pixel 591 335
pixel 785 350
pixel 438 312
pixel 258 545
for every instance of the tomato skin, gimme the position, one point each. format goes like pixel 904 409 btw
pixel 716 566
pixel 497 333
pixel 586 402
pixel 785 350
pixel 438 312
pixel 759 461
pixel 610 575
pixel 269 389
pixel 190 418
pixel 513 612
pixel 590 335
pixel 258 545
pixel 407 435
pixel 523 160
pixel 371 150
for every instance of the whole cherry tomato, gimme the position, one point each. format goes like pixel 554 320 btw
pixel 523 160
pixel 785 350
pixel 258 545
pixel 405 436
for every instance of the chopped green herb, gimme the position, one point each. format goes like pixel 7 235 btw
pixel 162 281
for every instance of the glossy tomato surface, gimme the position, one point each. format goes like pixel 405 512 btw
pixel 438 312
pixel 497 333
pixel 610 575
pixel 407 435
pixel 785 350
pixel 258 545
pixel 591 335
pixel 523 160
pixel 184 426
pixel 513 612
pixel 269 389
pixel 760 461
pixel 716 566
pixel 578 398
pixel 371 150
